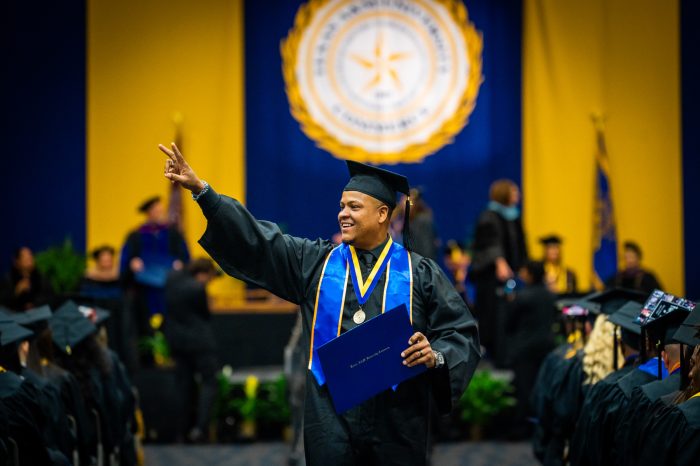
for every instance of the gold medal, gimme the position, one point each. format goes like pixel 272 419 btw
pixel 359 316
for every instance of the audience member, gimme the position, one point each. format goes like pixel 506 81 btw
pixel 559 279
pixel 633 276
pixel 24 287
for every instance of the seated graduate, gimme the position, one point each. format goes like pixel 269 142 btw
pixel 338 288
pixel 80 353
pixel 57 432
pixel 119 395
pixel 671 433
pixel 19 402
pixel 584 371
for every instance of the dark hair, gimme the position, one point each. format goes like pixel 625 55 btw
pixel 9 358
pixel 634 247
pixel 536 271
pixel 86 356
pixel 500 191
pixel 99 250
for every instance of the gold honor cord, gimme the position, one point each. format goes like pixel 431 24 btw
pixel 364 285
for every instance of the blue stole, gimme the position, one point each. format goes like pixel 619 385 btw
pixel 332 285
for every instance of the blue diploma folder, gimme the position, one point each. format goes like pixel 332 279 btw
pixel 367 360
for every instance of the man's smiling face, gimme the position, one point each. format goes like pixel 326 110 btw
pixel 363 220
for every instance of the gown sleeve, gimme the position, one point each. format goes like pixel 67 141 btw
pixel 451 330
pixel 257 252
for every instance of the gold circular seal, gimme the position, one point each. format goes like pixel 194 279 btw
pixel 382 81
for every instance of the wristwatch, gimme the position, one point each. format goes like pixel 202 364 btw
pixel 439 359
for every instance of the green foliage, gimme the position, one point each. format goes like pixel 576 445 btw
pixel 158 347
pixel 485 397
pixel 62 265
pixel 253 401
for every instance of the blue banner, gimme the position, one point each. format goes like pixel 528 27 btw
pixel 605 246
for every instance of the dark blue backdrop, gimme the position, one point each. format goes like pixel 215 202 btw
pixel 292 182
pixel 43 131
pixel 690 102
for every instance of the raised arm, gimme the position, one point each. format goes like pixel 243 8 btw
pixel 254 251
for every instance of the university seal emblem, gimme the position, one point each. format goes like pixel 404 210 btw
pixel 382 81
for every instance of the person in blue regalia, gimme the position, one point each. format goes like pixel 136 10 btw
pixel 150 252
pixel 339 287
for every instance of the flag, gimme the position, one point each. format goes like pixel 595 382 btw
pixel 604 230
pixel 175 212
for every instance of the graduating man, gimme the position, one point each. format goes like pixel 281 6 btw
pixel 338 288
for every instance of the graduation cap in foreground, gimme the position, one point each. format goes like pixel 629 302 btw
pixel 688 332
pixel 11 331
pixel 382 185
pixel 69 327
pixel 610 300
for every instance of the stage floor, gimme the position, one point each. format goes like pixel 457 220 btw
pixel 271 454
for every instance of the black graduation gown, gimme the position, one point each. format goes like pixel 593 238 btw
pixel 392 427
pixel 24 419
pixel 643 404
pixel 494 237
pixel 56 432
pixel 566 404
pixel 548 379
pixel 615 406
pixel 588 439
pixel 76 407
pixel 672 437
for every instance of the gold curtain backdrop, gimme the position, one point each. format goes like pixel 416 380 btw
pixel 147 61
pixel 620 59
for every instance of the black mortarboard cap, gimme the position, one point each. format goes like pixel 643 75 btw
pixel 688 332
pixel 148 203
pixel 610 300
pixel 551 239
pixel 69 327
pixel 382 185
pixel 11 331
pixel 663 325
pixel 33 316
pixel 626 317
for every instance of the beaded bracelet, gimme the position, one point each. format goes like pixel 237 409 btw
pixel 202 192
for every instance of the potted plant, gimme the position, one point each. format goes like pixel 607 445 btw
pixel 485 397
pixel 62 266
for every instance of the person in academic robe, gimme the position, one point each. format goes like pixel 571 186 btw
pixel 560 279
pixel 26 419
pixel 189 332
pixel 579 372
pixel 529 319
pixel 672 435
pixel 149 253
pixel 340 287
pixel 633 276
pixel 57 432
pixel 499 251
pixel 599 438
